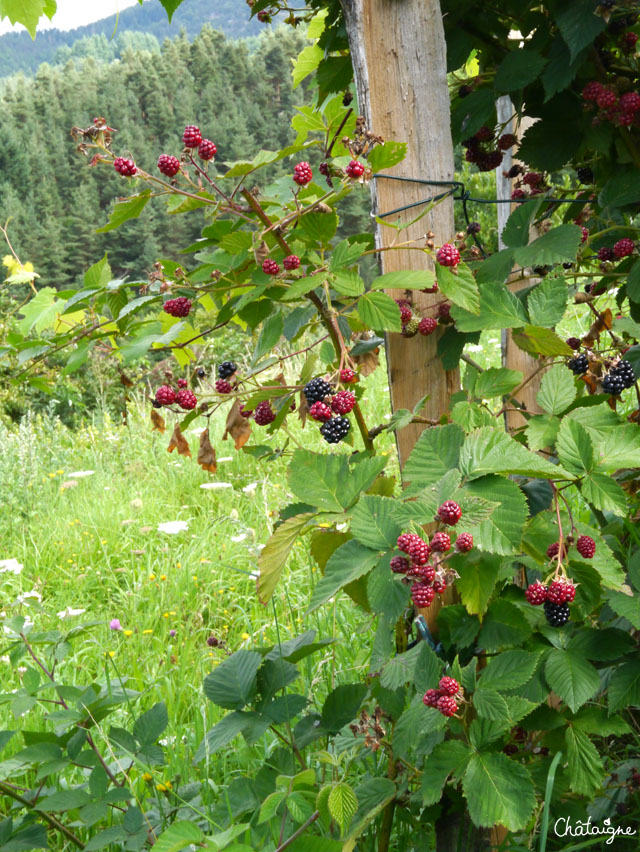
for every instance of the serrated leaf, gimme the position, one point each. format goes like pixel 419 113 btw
pixel 574 447
pixel 275 553
pixel 508 670
pixel 232 683
pixel 221 735
pixel 604 493
pixel 586 771
pixel 502 531
pixel 342 804
pixel 387 155
pixel 306 63
pixel 489 704
pixel 372 523
pixel 518 69
pixel 557 245
pixel 379 312
pixel 619 448
pixel 476 582
pixel 459 286
pixel 540 341
pixel 125 210
pixel 557 390
pixel 541 431
pixel 178 836
pixel 624 686
pixel 341 706
pixel 547 302
pixel 490 450
pixel 571 677
pixel 318 479
pixel 499 791
pixel 349 562
pixel 517 230
pixel 150 726
pixel 400 669
pixel 446 758
pixel 345 254
pixel 499 308
pixel 411 279
pixel 436 451
pixel 348 283
pixel 579 25
pixel 496 381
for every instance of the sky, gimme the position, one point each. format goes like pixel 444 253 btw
pixel 75 13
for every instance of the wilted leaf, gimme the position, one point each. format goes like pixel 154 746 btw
pixel 206 453
pixel 237 426
pixel 604 321
pixel 303 409
pixel 179 442
pixel 367 362
pixel 158 421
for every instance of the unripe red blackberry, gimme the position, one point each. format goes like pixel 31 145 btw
pixel 421 595
pixel 430 698
pixel 440 542
pixel 607 99
pixel 585 235
pixel 323 168
pixel 405 540
pixel 270 267
pixel 532 178
pixel 586 546
pixel 444 309
pixel 192 136
pixel 405 314
pixel 343 402
pixel 245 412
pixel 410 329
pixel 449 686
pixel 399 565
pixel 427 326
pixel 447 705
pixel 624 247
pixel 348 377
pixel 628 42
pixel 419 551
pixel 506 141
pixel 183 383
pixel 186 399
pixel 207 149
pixel 439 585
pixel 263 16
pixel 536 593
pixel 554 549
pixel 474 228
pixel 464 543
pixel 574 342
pixel 485 134
pixel 165 395
pixel 264 414
pixel 592 90
pixel 168 165
pixel 302 173
pixel 179 307
pixel 487 161
pixel 448 255
pixel 449 513
pixel 355 169
pixel 518 194
pixel 124 167
pixel 561 591
pixel 422 573
pixel 290 262
pixel 630 102
pixel 320 411
pixel 223 386
pixel 605 253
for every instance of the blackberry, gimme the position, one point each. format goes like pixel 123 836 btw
pixel 323 168
pixel 424 574
pixel 439 585
pixel 613 384
pixel 624 370
pixel 399 565
pixel 464 543
pixel 554 549
pixel 430 698
pixel 440 542
pixel 316 390
pixel 592 90
pixel 448 255
pixel 179 307
pixel 124 167
pixel 624 247
pixel 536 593
pixel 186 399
pixel 585 175
pixel 485 134
pixel 449 686
pixel 419 551
pixel 168 165
pixel 474 228
pixel 427 325
pixel 320 411
pixel 605 253
pixel 447 705
pixel 586 546
pixel 489 160
pixel 506 141
pixel 292 261
pixel 557 613
pixel 343 402
pixel 405 314
pixel 348 376
pixel 405 540
pixel 227 369
pixel 201 372
pixel 207 149
pixel 264 414
pixel 578 365
pixel 607 99
pixel 183 383
pixel 192 136
pixel 354 169
pixel 630 102
pixel 302 173
pixel 422 595
pixel 165 395
pixel 533 178
pixel 444 310
pixel 410 329
pixel 449 513
pixel 334 430
pixel 223 386
pixel 574 342
pixel 561 591
pixel 270 267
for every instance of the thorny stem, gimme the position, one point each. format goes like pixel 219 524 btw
pixel 560 555
pixel 51 820
pixel 314 816
pixel 337 133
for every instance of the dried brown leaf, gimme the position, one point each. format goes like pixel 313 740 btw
pixel 206 453
pixel 367 362
pixel 179 442
pixel 157 421
pixel 303 408
pixel 602 322
pixel 237 426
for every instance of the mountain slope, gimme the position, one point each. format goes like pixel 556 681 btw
pixel 19 53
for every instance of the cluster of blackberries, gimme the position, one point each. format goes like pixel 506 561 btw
pixel 324 402
pixel 485 151
pixel 412 325
pixel 528 184
pixel 619 378
pixel 579 364
pixel 622 110
pixel 585 546
pixel 445 698
pixel 166 395
pixel 555 597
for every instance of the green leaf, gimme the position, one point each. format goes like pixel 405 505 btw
pixel 361 477
pixel 26 12
pixel 348 282
pixel 518 69
pixel 547 302
pixel 345 254
pixel 571 677
pixel 574 447
pixel 517 231
pixel 624 686
pixel 41 312
pixel 269 335
pixel 350 561
pixel 180 834
pixel 499 308
pixel 63 800
pixel 619 448
pixel 320 227
pixel 604 493
pixel 579 25
pixel 497 267
pixel 231 685
pixel 373 795
pixel 99 274
pixel 449 757
pixel 626 606
pixel 502 531
pixel 496 381
pixel 275 553
pixel 114 834
pixel 490 450
pixel 342 705
pixel 306 63
pixel 387 155
pixel 436 451
pixel 221 734
pixel 150 726
pixel 379 312
pixel 490 704
pixel 541 431
pixel 509 670
pixel 633 288
pixel 414 279
pixel 476 582
pixel 596 643
pixel 342 804
pixel 540 341
pixel 318 479
pixel 499 791
pixel 621 189
pixel 586 771
pixel 459 286
pixel 557 390
pixel 400 669
pixel 373 524
pixel 555 246
pixel 125 210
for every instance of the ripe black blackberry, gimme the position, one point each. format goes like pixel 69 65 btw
pixel 557 614
pixel 334 430
pixel 316 390
pixel 226 369
pixel 625 371
pixel 613 384
pixel 585 174
pixel 578 365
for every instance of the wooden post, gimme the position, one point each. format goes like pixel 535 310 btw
pixel 399 59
